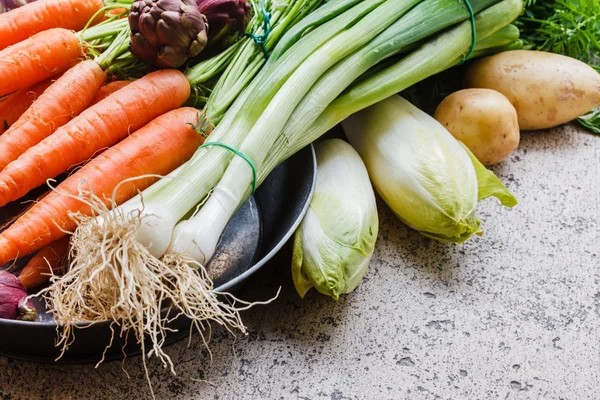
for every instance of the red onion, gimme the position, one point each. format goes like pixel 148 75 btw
pixel 14 303
pixel 7 5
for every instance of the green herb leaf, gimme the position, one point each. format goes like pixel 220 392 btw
pixel 569 27
pixel 591 121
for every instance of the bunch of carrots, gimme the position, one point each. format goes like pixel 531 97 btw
pixel 59 114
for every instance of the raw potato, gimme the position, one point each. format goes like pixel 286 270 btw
pixel 484 120
pixel 546 89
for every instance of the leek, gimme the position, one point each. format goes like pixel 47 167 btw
pixel 163 209
pixel 434 56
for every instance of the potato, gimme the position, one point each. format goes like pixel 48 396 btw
pixel 484 120
pixel 546 89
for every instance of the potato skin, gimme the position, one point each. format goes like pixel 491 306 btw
pixel 546 89
pixel 484 120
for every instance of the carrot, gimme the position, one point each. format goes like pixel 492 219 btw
pixel 18 102
pixel 61 102
pixel 108 89
pixel 21 23
pixel 156 149
pixel 48 260
pixel 115 12
pixel 97 128
pixel 38 58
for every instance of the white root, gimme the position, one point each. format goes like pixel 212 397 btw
pixel 112 276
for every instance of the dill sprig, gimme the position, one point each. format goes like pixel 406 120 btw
pixel 569 27
pixel 591 121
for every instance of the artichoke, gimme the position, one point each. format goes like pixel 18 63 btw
pixel 166 33
pixel 227 20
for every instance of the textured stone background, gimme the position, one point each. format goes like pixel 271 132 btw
pixel 512 315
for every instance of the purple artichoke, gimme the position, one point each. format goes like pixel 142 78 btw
pixel 7 5
pixel 166 33
pixel 13 298
pixel 227 20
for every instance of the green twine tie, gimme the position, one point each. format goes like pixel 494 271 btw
pixel 473 29
pixel 239 154
pixel 262 39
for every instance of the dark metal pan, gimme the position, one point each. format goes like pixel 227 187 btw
pixel 257 232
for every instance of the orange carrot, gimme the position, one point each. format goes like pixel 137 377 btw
pixel 17 103
pixel 61 102
pixel 114 12
pixel 21 23
pixel 157 148
pixel 108 89
pixel 95 129
pixel 38 58
pixel 48 260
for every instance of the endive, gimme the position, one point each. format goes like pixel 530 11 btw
pixel 334 244
pixel 421 171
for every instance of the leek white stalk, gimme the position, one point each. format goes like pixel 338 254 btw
pixel 198 236
pixel 421 171
pixel 336 239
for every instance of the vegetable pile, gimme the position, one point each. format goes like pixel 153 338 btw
pixel 168 114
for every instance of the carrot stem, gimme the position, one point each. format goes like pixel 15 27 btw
pixel 103 30
pixel 119 46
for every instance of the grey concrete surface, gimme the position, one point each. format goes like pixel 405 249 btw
pixel 514 314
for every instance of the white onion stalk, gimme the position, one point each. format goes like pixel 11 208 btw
pixel 198 236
